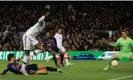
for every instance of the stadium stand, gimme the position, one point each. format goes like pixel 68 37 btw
pixel 87 26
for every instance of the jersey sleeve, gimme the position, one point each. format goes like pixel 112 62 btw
pixel 41 20
pixel 116 43
pixel 5 71
pixel 55 36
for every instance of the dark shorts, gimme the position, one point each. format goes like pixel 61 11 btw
pixel 31 69
pixel 56 50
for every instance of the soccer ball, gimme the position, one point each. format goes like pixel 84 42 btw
pixel 47 7
pixel 114 63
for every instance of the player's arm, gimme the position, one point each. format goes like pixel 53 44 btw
pixel 56 39
pixel 55 42
pixel 116 43
pixel 43 18
pixel 5 71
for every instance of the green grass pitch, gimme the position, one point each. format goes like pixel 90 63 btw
pixel 81 70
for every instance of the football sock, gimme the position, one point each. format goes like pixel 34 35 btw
pixel 66 59
pixel 51 68
pixel 54 58
pixel 62 57
pixel 35 53
pixel 25 61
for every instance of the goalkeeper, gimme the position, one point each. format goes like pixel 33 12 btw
pixel 125 44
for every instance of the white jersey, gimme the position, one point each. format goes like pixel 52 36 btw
pixel 59 39
pixel 29 40
pixel 37 28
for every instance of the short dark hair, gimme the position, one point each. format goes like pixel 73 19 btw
pixel 125 31
pixel 47 32
pixel 11 55
pixel 59 29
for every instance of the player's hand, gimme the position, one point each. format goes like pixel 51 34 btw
pixel 111 43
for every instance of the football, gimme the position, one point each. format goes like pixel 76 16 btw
pixel 47 7
pixel 114 63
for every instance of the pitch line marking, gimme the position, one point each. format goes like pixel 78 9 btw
pixel 122 77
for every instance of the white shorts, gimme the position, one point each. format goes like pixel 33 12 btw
pixel 62 49
pixel 29 42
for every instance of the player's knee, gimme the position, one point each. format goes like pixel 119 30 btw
pixel 41 67
pixel 38 46
pixel 45 73
pixel 61 54
pixel 115 59
pixel 131 57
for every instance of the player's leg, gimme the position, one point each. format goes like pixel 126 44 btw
pixel 48 68
pixel 61 50
pixel 61 58
pixel 131 56
pixel 114 57
pixel 26 58
pixel 54 57
pixel 41 72
pixel 61 55
pixel 66 57
pixel 26 46
pixel 44 71
pixel 33 69
pixel 37 46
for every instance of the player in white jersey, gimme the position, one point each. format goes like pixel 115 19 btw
pixel 59 38
pixel 30 41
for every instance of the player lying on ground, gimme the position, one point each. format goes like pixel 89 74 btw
pixel 49 44
pixel 59 38
pixel 33 69
pixel 30 41
pixel 125 44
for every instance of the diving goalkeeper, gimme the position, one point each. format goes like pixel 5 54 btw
pixel 125 44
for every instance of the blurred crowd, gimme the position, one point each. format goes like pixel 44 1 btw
pixel 86 25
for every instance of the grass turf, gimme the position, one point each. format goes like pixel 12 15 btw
pixel 81 70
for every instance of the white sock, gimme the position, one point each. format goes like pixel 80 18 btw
pixel 23 66
pixel 66 59
pixel 37 51
pixel 25 60
pixel 50 57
